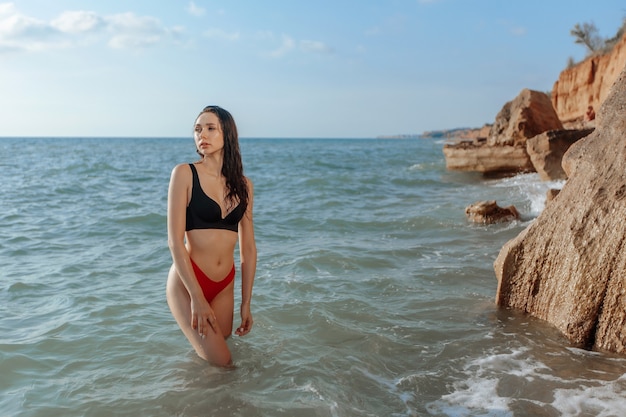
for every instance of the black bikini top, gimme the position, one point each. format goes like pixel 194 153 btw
pixel 204 213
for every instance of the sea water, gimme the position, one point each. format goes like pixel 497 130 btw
pixel 374 296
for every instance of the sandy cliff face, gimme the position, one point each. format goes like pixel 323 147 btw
pixel 587 83
pixel 569 266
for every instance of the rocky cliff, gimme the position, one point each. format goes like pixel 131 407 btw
pixel 503 151
pixel 526 116
pixel 587 83
pixel 569 266
pixel 532 113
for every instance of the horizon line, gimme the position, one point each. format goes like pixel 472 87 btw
pixel 383 137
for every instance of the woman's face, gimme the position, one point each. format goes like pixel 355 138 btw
pixel 208 134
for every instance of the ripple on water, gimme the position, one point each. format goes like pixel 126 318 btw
pixel 374 296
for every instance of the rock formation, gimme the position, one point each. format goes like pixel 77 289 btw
pixel 532 113
pixel 490 160
pixel 587 83
pixel 488 212
pixel 504 150
pixel 528 115
pixel 569 265
pixel 546 151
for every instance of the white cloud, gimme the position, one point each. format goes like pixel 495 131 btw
pixel 19 26
pixel 315 46
pixel 7 9
pixel 195 10
pixel 19 32
pixel 77 22
pixel 287 45
pixel 131 31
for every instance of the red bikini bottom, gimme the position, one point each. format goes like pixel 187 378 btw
pixel 211 288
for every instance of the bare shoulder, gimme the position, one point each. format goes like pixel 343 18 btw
pixel 181 171
pixel 181 177
pixel 184 167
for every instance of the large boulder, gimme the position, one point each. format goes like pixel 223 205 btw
pixel 489 160
pixel 546 151
pixel 569 265
pixel 504 150
pixel 526 116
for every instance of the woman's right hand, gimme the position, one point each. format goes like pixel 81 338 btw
pixel 202 317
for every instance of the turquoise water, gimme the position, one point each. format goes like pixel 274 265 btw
pixel 373 296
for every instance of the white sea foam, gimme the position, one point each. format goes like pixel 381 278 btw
pixel 527 191
pixel 605 399
pixel 479 398
pixel 372 297
pixel 487 381
pixel 477 393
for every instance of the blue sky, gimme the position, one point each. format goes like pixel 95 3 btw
pixel 284 68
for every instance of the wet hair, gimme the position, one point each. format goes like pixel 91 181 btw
pixel 232 167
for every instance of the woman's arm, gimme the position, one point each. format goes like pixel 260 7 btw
pixel 248 255
pixel 202 316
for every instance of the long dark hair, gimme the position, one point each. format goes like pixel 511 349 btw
pixel 232 168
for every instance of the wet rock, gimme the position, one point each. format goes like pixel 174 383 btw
pixel 488 212
pixel 569 265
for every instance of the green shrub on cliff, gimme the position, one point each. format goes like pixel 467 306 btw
pixel 587 35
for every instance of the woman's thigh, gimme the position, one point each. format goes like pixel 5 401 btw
pixel 223 305
pixel 212 347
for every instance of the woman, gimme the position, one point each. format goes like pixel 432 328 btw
pixel 209 208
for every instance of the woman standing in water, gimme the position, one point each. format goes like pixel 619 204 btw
pixel 209 209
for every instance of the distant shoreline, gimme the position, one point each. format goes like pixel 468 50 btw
pixel 456 133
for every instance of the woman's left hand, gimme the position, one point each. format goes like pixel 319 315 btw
pixel 246 321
